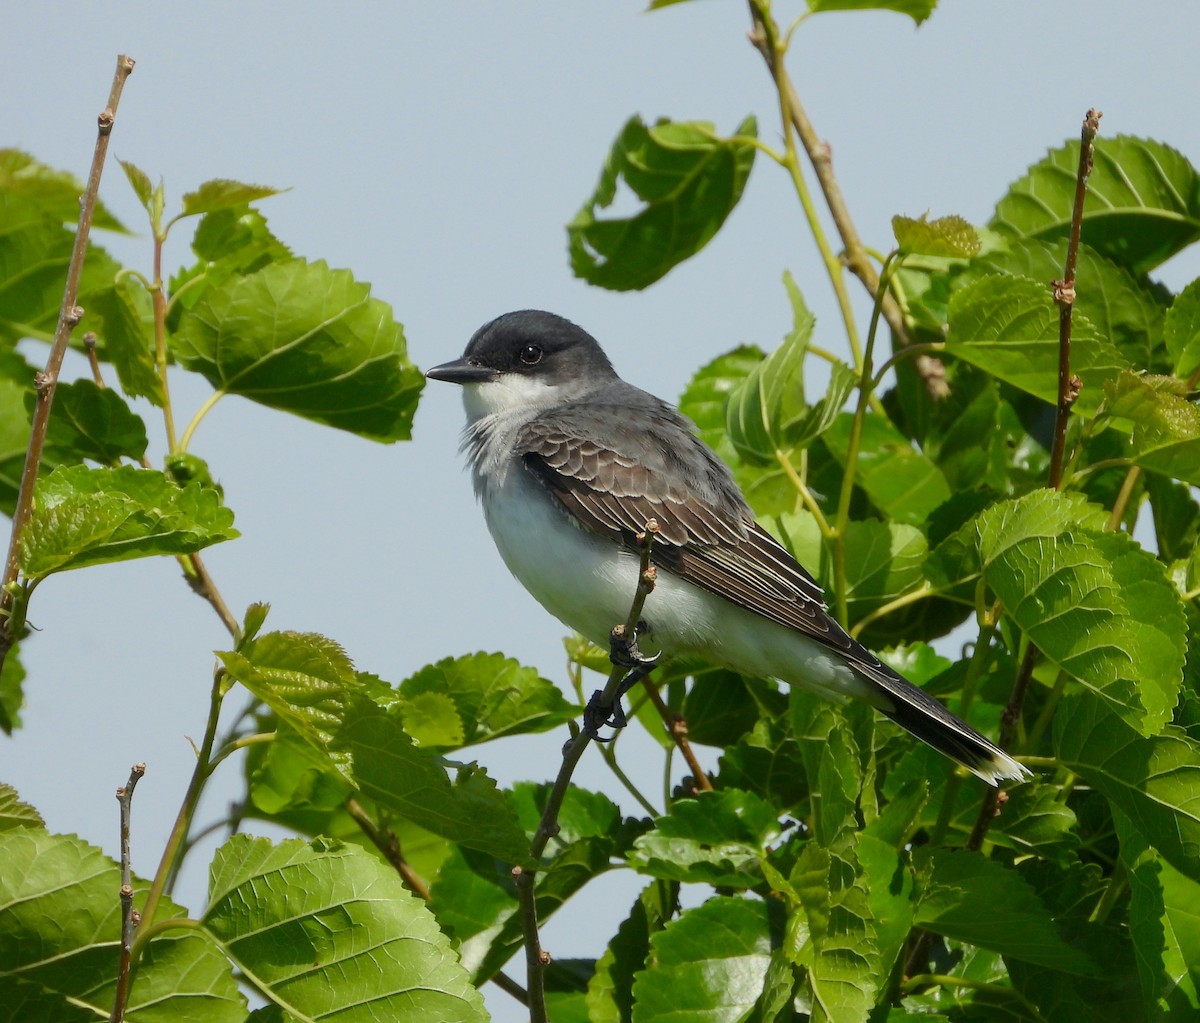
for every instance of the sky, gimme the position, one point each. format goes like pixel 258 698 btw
pixel 438 150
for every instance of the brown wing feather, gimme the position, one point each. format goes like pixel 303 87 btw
pixel 716 546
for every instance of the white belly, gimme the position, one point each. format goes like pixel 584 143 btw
pixel 588 583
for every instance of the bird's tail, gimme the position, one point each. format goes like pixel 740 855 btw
pixel 917 712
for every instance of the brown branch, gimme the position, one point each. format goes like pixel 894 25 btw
pixel 1068 392
pixel 602 703
pixel 820 154
pixel 89 347
pixel 1064 296
pixel 68 317
pixel 677 729
pixel 129 916
pixel 203 586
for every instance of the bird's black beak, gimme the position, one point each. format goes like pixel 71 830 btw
pixel 461 371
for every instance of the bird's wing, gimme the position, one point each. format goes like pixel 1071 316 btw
pixel 707 535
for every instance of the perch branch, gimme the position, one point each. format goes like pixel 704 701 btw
pixel 129 916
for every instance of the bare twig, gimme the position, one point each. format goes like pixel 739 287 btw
pixel 387 843
pixel 602 703
pixel 1068 392
pixel 89 347
pixel 68 317
pixel 1064 295
pixel 129 916
pixel 203 586
pixel 677 729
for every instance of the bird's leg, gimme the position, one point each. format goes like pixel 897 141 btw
pixel 624 653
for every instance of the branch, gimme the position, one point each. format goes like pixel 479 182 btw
pixel 46 381
pixel 855 256
pixel 1068 392
pixel 626 670
pixel 129 916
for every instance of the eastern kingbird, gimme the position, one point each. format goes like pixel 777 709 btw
pixel 570 462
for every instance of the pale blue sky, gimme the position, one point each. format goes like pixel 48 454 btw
pixel 437 150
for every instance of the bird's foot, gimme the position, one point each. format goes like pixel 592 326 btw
pixel 624 653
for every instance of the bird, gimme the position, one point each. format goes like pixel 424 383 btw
pixel 570 462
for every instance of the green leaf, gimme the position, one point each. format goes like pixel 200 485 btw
pixel 1142 203
pixel 222 194
pixel 708 964
pixel 687 181
pixel 1164 923
pixel 139 181
pixel 1182 331
pixel 1008 326
pixel 918 10
pixel 326 929
pixel 884 560
pixel 86 516
pixel 14 813
pixel 54 193
pixel 92 422
pixel 980 901
pixel 128 337
pixel 833 932
pixel 12 697
pixel 60 932
pixel 1166 425
pixel 485 695
pixel 900 480
pixel 1154 780
pixel 610 991
pixel 768 762
pixel 388 768
pixel 721 706
pixel 305 339
pixel 1127 310
pixel 950 236
pixel 1092 601
pixel 717 838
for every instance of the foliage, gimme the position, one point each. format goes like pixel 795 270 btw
pixel 843 879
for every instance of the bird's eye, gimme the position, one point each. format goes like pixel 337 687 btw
pixel 531 355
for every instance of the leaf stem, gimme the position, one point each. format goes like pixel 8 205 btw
pixel 205 408
pixel 169 864
pixel 46 381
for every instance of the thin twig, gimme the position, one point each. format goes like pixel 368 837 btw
pixel 1064 296
pixel 89 347
pixel 129 916
pixel 677 729
pixel 387 843
pixel 203 586
pixel 536 958
pixel 69 316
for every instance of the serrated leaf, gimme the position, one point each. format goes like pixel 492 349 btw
pixel 85 516
pixel 686 179
pixel 1166 425
pixel 222 194
pixel 717 838
pixel 60 932
pixel 835 932
pixel 1092 601
pixel 305 339
pixel 951 237
pixel 55 193
pixel 721 706
pixel 14 813
pixel 980 901
pixel 308 681
pixel 328 929
pixel 484 696
pixel 389 769
pixel 1126 309
pixel 918 10
pixel 1141 207
pixel 709 964
pixel 1182 331
pixel 93 422
pixel 1009 327
pixel 1154 780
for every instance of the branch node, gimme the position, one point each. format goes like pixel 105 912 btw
pixel 73 316
pixel 105 121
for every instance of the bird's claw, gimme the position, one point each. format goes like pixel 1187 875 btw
pixel 625 652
